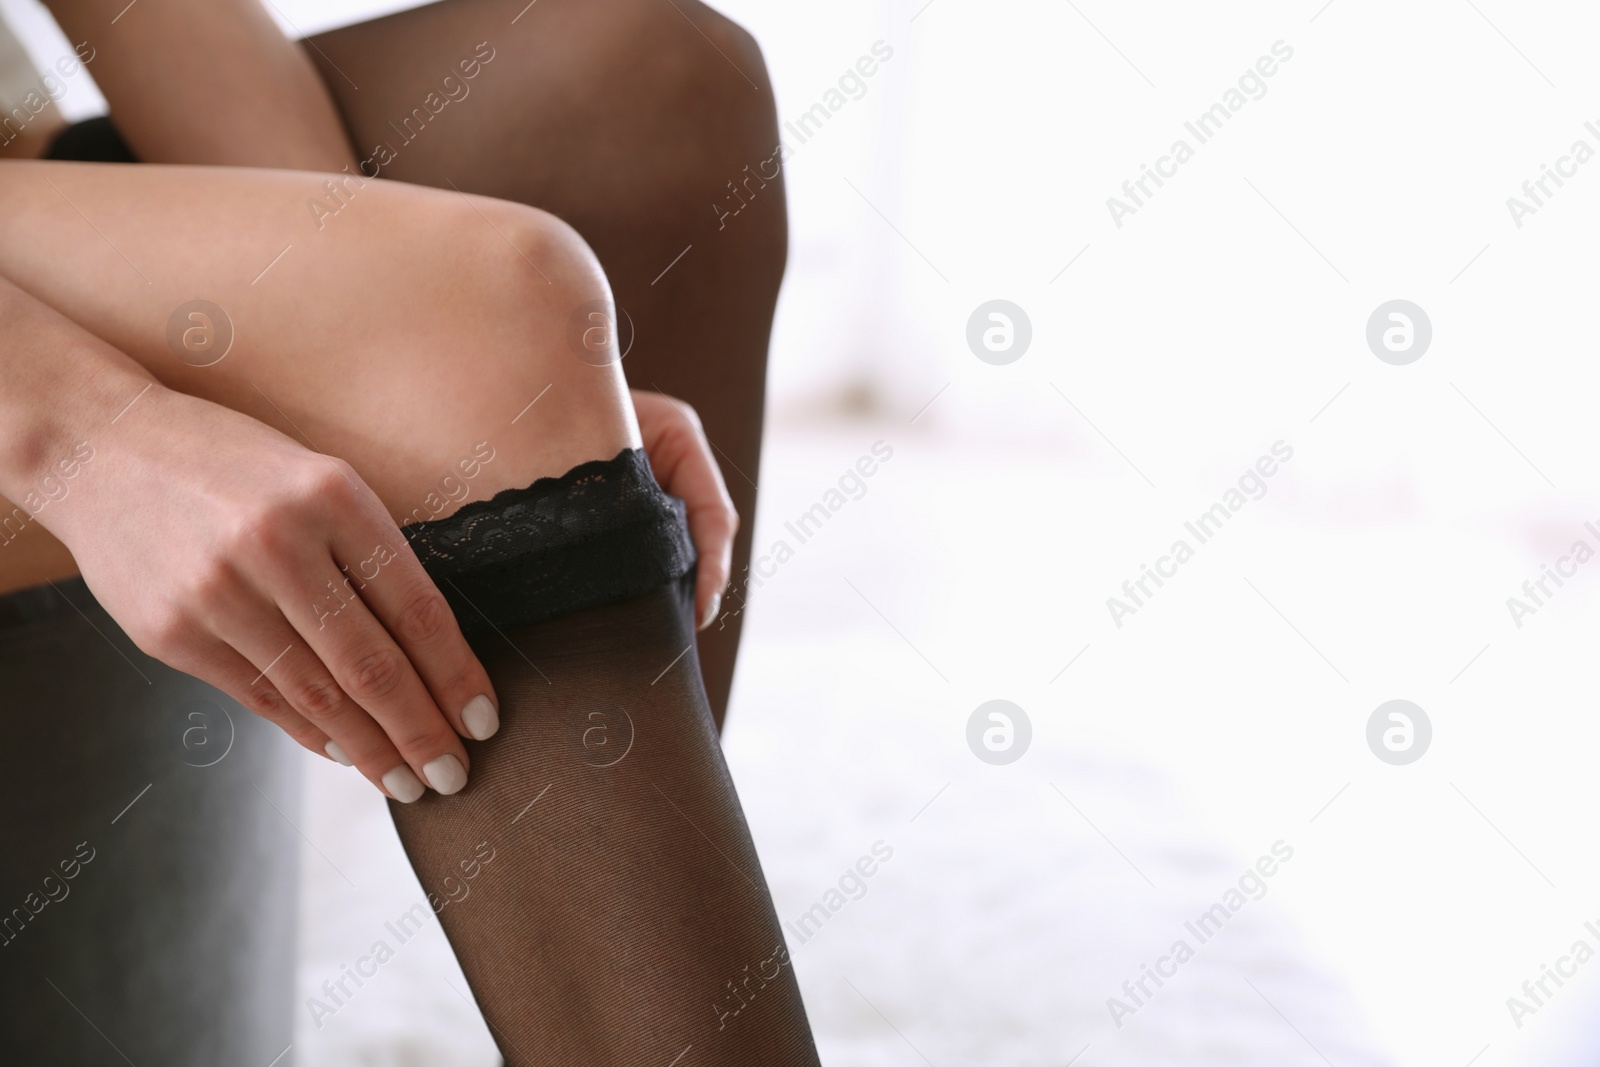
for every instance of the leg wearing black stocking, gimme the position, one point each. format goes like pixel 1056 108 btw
pixel 650 128
pixel 614 918
pixel 597 878
pixel 620 117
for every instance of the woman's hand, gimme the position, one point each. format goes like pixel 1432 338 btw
pixel 274 573
pixel 681 460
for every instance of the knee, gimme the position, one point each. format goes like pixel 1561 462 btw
pixel 529 274
pixel 530 369
pixel 704 80
pixel 744 106
pixel 547 317
pixel 735 42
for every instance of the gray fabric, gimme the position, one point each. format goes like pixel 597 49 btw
pixel 173 943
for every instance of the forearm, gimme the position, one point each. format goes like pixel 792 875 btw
pixel 60 387
pixel 208 82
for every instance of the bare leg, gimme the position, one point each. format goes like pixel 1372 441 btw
pixel 640 123
pixel 395 334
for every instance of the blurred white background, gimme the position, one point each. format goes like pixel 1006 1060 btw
pixel 1230 712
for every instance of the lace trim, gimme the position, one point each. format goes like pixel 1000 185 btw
pixel 602 532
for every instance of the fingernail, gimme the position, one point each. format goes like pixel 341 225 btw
pixel 480 718
pixel 336 753
pixel 445 774
pixel 402 784
pixel 711 610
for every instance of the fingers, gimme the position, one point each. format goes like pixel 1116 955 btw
pixel 339 670
pixel 340 667
pixel 230 672
pixel 399 593
pixel 370 671
pixel 282 657
pixel 713 538
pixel 681 459
pixel 236 638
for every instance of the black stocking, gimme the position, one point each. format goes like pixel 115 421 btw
pixel 596 877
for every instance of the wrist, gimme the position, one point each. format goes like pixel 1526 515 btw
pixel 54 413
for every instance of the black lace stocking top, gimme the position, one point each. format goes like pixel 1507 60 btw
pixel 602 532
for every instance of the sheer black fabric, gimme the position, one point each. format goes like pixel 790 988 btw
pixel 596 876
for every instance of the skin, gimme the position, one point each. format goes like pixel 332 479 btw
pixel 215 512
pixel 207 523
pixel 186 80
pixel 580 94
pixel 644 125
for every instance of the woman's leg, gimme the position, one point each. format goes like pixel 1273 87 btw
pixel 605 908
pixel 390 325
pixel 650 127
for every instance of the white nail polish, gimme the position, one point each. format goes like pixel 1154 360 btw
pixel 336 753
pixel 445 774
pixel 711 610
pixel 402 784
pixel 480 718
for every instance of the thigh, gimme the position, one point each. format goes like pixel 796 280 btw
pixel 647 125
pixel 393 326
